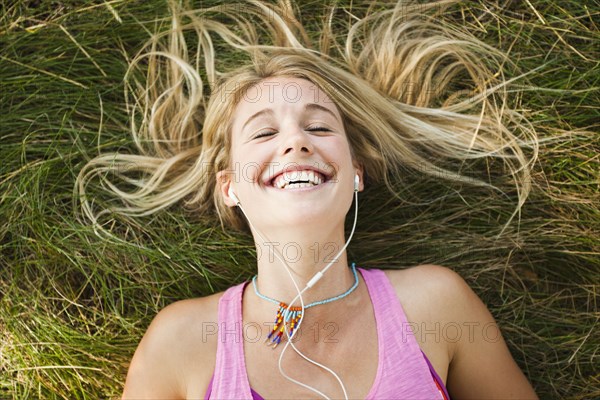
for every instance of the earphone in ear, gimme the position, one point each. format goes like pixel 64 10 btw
pixel 356 182
pixel 232 195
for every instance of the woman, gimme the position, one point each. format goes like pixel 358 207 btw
pixel 287 141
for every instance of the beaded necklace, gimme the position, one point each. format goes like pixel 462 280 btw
pixel 292 315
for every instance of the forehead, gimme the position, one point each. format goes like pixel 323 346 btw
pixel 282 94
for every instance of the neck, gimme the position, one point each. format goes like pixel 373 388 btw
pixel 306 253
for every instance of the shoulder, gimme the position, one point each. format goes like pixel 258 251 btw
pixel 438 297
pixel 185 321
pixel 433 291
pixel 431 285
pixel 479 362
pixel 435 301
pixel 180 343
pixel 429 276
pixel 181 316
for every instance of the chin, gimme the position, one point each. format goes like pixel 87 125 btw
pixel 310 219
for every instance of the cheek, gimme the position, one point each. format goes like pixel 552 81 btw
pixel 248 165
pixel 341 149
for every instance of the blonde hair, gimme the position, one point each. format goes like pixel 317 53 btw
pixel 412 93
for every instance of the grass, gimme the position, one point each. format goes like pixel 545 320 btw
pixel 73 306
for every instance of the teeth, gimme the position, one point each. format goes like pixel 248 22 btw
pixel 298 185
pixel 311 178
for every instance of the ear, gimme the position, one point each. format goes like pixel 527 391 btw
pixel 224 183
pixel 361 174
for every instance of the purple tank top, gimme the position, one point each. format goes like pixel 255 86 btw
pixel 403 370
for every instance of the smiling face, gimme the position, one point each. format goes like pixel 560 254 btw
pixel 290 158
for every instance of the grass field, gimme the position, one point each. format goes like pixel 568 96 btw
pixel 73 306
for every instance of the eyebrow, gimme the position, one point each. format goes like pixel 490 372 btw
pixel 307 107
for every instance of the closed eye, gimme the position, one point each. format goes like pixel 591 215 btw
pixel 318 129
pixel 313 129
pixel 264 134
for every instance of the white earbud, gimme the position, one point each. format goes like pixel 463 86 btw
pixel 232 195
pixel 356 182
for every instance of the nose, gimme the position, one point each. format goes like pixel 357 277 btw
pixel 296 140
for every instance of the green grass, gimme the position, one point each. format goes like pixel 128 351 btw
pixel 73 306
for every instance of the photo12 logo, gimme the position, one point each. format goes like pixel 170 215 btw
pixel 291 92
pixel 451 332
pixel 253 332
pixel 293 252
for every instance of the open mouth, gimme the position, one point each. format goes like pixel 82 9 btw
pixel 298 179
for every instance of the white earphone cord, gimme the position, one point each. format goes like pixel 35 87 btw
pixel 310 284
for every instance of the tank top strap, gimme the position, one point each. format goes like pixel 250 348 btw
pixel 230 380
pixel 402 368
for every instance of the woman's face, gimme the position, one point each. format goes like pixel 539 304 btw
pixel 290 157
